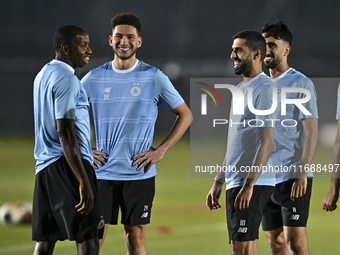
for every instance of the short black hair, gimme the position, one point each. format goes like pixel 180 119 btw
pixel 126 19
pixel 254 41
pixel 278 30
pixel 65 35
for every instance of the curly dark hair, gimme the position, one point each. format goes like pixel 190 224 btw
pixel 126 19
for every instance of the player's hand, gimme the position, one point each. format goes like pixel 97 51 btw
pixel 330 200
pixel 214 195
pixel 299 188
pixel 243 198
pixel 147 158
pixel 99 158
pixel 86 199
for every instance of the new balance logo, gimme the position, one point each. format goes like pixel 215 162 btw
pixel 295 217
pixel 145 215
pixel 242 230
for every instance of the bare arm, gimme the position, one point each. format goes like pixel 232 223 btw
pixel 330 200
pixel 265 149
pixel 99 157
pixel 152 156
pixel 68 140
pixel 310 127
pixel 212 200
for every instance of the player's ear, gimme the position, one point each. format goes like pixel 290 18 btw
pixel 287 51
pixel 256 54
pixel 64 49
pixel 140 40
pixel 110 40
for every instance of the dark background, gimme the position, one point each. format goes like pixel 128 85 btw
pixel 185 39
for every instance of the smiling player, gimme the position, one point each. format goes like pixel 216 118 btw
pixel 285 214
pixel 125 94
pixel 65 202
pixel 248 146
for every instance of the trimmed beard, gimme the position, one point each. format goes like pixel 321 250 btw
pixel 246 66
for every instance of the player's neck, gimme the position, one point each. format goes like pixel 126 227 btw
pixel 253 72
pixel 121 64
pixel 278 70
pixel 65 60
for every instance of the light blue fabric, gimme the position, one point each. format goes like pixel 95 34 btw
pixel 58 94
pixel 289 140
pixel 244 138
pixel 125 108
pixel 338 105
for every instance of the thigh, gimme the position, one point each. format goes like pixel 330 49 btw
pixel 136 232
pixel 244 247
pixel 88 247
pixel 46 248
pixel 243 225
pixel 296 234
pixel 137 201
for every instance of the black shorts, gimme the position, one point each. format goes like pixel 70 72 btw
pixel 133 197
pixel 56 194
pixel 280 211
pixel 243 225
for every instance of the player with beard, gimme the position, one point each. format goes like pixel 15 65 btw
pixel 249 147
pixel 286 212
pixel 125 94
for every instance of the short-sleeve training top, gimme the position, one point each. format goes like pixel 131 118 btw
pixel 289 133
pixel 125 107
pixel 243 134
pixel 58 94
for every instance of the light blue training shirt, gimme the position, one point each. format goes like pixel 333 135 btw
pixel 243 134
pixel 338 105
pixel 289 135
pixel 125 107
pixel 58 94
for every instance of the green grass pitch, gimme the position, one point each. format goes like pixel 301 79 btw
pixel 179 206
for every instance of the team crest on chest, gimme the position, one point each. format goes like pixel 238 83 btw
pixel 135 90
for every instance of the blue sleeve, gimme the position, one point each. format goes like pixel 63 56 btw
pixel 338 105
pixel 165 92
pixel 311 105
pixel 86 83
pixel 263 99
pixel 66 93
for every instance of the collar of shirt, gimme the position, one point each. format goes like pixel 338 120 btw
pixel 126 70
pixel 282 75
pixel 61 62
pixel 252 79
